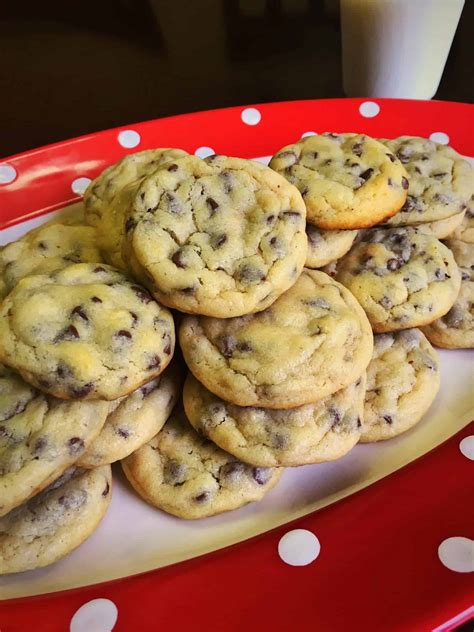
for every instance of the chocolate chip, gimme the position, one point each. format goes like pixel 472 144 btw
pixel 390 182
pixel 99 269
pixel 70 333
pixel 316 302
pixel 394 264
pixel 75 445
pixel 304 191
pixel 391 157
pixel 385 302
pixel 315 154
pixel 63 370
pixel 439 274
pixel 174 473
pixel 228 181
pixel 365 175
pixel 173 168
pixel 167 348
pixel 261 475
pixel 327 162
pixel 130 224
pixel 142 294
pixel 404 155
pixel 244 347
pixel 440 175
pixel 178 259
pixel 249 273
pixel 212 204
pixel 42 245
pixel 270 219
pixel 174 205
pixel 154 363
pixel 81 391
pixel 79 311
pixel 357 148
pixel 106 490
pixel 188 291
pixel 39 445
pixel 226 345
pixel 96 299
pixel 335 415
pixel 203 497
pixel 388 419
pixel 122 432
pixel 218 240
pixel 455 317
pixel 123 333
pixel 359 423
pixel 405 183
pixel 417 170
pixel 134 317
pixel 287 156
pixel 291 214
pixel 232 470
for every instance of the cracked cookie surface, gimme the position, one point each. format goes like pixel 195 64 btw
pixel 325 246
pixel 135 419
pixel 313 341
pixel 44 250
pixel 220 237
pixel 455 330
pixel 85 332
pixel 403 379
pixel 56 521
pixel 188 476
pixel 401 277
pixel 440 181
pixel 347 181
pixel 40 437
pixel 108 197
pixel 314 433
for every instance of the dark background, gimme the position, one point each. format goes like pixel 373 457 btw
pixel 68 67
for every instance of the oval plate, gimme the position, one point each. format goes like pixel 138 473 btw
pixel 378 565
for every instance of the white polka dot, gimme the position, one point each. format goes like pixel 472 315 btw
pixel 467 447
pixel 369 109
pixel 98 615
pixel 251 116
pixel 308 134
pixel 204 152
pixel 457 554
pixel 299 547
pixel 129 138
pixel 440 137
pixel 79 185
pixel 7 174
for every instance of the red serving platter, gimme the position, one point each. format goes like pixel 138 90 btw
pixel 379 566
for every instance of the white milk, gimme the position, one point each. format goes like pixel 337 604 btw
pixel 396 48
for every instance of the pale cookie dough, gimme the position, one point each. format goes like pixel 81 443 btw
pixel 313 341
pixel 220 237
pixel 443 227
pixel 348 181
pixel 403 379
pixel 325 246
pixel 39 437
pixel 47 249
pixel 135 419
pixel 455 330
pixel 440 181
pixel 59 519
pixel 401 277
pixel 323 431
pixel 188 476
pixel 85 332
pixel 108 198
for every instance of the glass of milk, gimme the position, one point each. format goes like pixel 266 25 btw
pixel 396 48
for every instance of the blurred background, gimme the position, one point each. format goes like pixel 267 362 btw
pixel 69 68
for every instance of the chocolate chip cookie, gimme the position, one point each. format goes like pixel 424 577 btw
pixel 108 197
pixel 59 519
pixel 443 228
pixel 465 231
pixel 135 419
pixel 348 181
pixel 188 476
pixel 85 332
pixel 401 277
pixel 313 341
pixel 40 437
pixel 440 181
pixel 45 250
pixel 325 246
pixel 221 237
pixel 402 381
pixel 323 431
pixel 455 330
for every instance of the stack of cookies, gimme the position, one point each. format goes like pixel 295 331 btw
pixel 284 368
